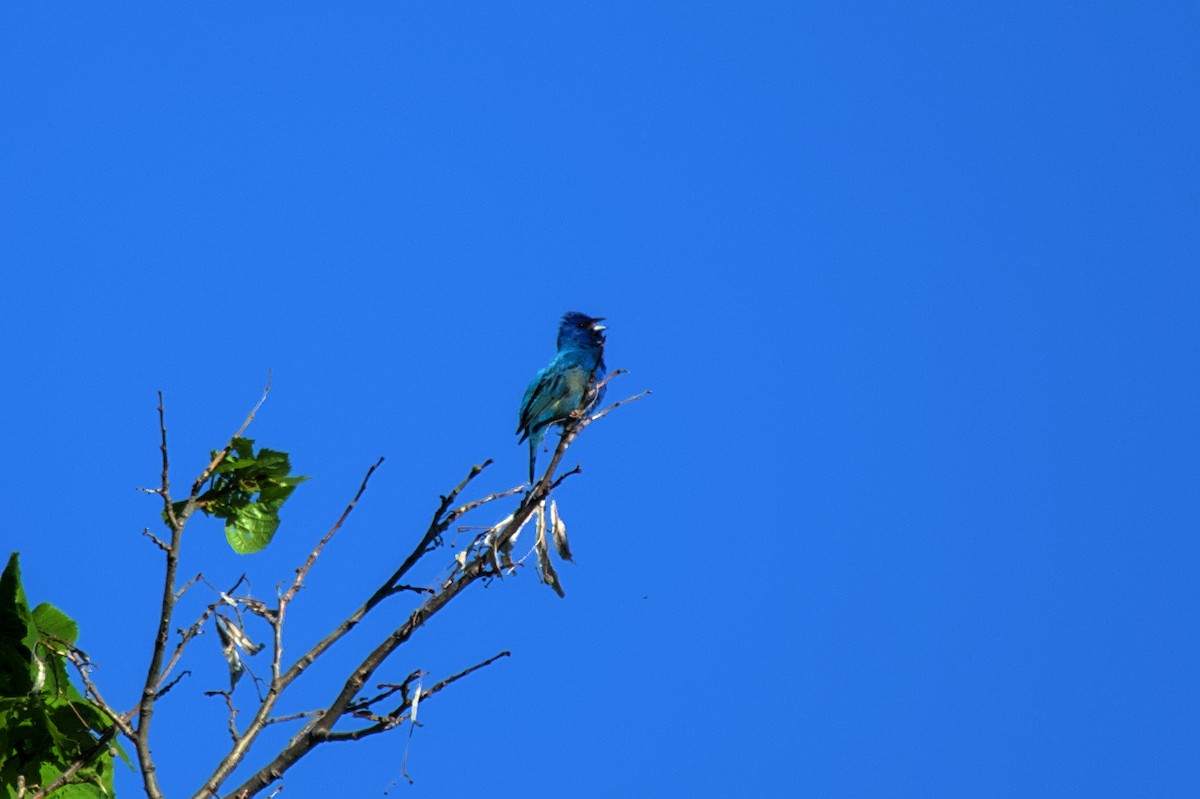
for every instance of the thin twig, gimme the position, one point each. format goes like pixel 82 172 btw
pixel 220 456
pixel 392 688
pixel 183 589
pixel 396 718
pixel 83 665
pixel 157 541
pixel 165 488
pixel 611 375
pixel 456 677
pixel 185 637
pixel 564 476
pixel 470 506
pixel 616 405
pixel 233 711
pixel 302 572
pixel 416 589
pixel 306 714
pixel 163 691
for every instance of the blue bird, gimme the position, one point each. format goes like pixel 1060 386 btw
pixel 561 387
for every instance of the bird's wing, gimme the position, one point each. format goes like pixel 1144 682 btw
pixel 558 389
pixel 548 388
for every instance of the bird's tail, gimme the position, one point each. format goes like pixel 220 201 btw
pixel 536 437
pixel 533 445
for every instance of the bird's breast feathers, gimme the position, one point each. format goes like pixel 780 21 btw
pixel 576 382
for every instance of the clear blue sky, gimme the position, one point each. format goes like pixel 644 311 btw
pixel 913 508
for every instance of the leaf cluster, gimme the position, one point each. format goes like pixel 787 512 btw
pixel 46 724
pixel 247 489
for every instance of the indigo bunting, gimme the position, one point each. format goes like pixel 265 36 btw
pixel 561 386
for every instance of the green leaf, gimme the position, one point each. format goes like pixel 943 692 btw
pixel 272 496
pixel 251 529
pixel 53 624
pixel 273 462
pixel 17 634
pixel 247 490
pixel 72 790
pixel 121 751
pixel 93 716
pixel 43 731
pixel 249 495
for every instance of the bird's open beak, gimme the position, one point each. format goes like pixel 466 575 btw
pixel 597 326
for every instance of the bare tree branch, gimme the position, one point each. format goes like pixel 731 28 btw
pixel 302 572
pixel 158 542
pixel 398 716
pixel 618 404
pixel 197 628
pixel 183 588
pixel 482 565
pixel 279 681
pixel 163 691
pixel 304 714
pixel 470 506
pixel 416 589
pixel 233 711
pixel 320 728
pixel 176 522
pixel 481 560
pixel 216 461
pixel 141 739
pixel 437 526
pixel 164 489
pixel 84 665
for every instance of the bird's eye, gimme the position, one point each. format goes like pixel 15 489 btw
pixel 582 325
